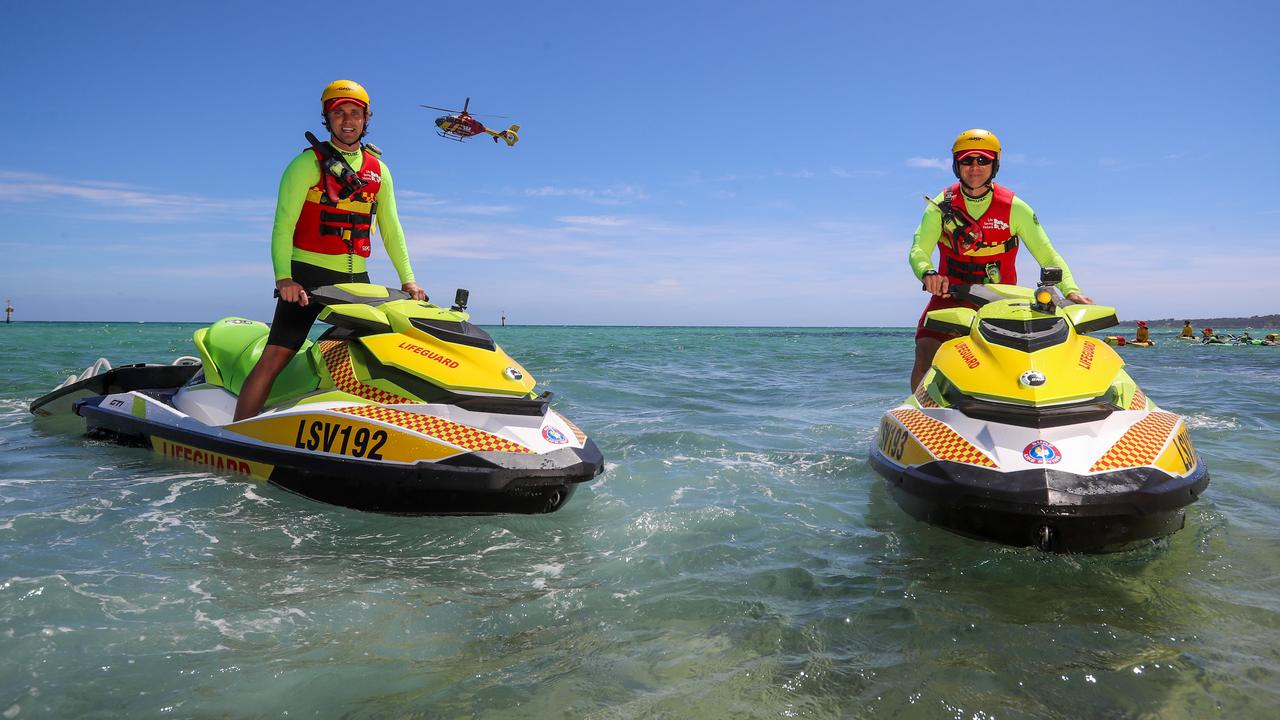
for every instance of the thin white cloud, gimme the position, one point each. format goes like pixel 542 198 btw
pixel 594 220
pixel 141 205
pixel 205 270
pixel 413 198
pixel 484 209
pixel 612 195
pixel 935 163
pixel 843 173
pixel 1118 164
pixel 415 201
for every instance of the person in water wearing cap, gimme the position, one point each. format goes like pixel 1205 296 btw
pixel 1187 330
pixel 976 227
pixel 1142 334
pixel 324 217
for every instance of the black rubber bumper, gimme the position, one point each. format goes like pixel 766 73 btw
pixel 1052 510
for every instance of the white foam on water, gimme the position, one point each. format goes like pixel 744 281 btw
pixel 541 573
pixel 176 489
pixel 501 546
pixel 296 540
pixel 195 588
pixel 1211 422
pixel 277 620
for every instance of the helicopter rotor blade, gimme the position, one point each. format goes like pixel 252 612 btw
pixel 464 111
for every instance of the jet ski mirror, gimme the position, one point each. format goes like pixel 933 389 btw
pixel 952 321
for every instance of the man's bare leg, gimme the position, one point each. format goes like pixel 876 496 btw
pixel 257 387
pixel 926 348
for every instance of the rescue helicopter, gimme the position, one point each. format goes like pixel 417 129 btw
pixel 462 125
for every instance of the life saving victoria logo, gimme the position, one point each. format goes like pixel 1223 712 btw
pixel 994 224
pixel 1041 452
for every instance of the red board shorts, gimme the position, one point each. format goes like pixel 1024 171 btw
pixel 938 303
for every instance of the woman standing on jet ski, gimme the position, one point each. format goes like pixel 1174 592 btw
pixel 976 226
pixel 324 218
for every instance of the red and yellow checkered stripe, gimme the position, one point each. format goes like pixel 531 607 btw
pixel 1140 445
pixel 922 397
pixel 338 359
pixel 463 436
pixel 577 432
pixel 1139 401
pixel 940 440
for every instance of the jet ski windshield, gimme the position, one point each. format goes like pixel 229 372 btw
pixel 1026 335
pixel 461 333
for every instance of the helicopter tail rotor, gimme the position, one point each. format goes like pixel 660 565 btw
pixel 509 135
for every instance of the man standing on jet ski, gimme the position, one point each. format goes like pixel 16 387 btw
pixel 325 214
pixel 976 226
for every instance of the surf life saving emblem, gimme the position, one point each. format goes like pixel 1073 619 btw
pixel 553 435
pixel 1041 452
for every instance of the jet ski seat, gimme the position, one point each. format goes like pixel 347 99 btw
pixel 230 348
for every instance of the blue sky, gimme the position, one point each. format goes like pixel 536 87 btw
pixel 708 163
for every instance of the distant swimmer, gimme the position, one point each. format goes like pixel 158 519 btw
pixel 1187 330
pixel 976 226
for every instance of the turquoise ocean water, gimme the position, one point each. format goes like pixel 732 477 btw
pixel 738 559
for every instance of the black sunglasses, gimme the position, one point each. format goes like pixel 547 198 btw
pixel 979 159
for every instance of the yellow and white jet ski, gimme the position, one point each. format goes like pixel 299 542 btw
pixel 1028 433
pixel 401 406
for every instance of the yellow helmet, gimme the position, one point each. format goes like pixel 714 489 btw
pixel 346 90
pixel 979 141
pixel 976 139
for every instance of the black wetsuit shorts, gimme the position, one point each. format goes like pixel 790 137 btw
pixel 292 322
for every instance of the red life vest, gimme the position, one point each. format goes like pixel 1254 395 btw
pixel 975 251
pixel 338 227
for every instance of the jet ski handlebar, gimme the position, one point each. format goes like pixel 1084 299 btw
pixel 979 295
pixel 333 295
